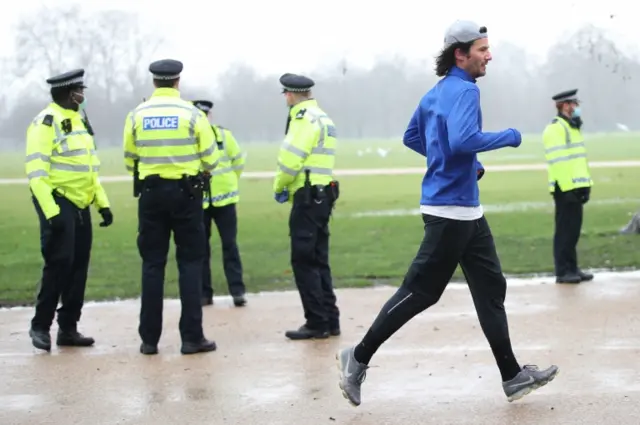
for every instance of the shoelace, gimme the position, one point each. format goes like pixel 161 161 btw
pixel 531 367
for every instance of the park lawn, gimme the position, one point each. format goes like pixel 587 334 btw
pixel 378 154
pixel 366 250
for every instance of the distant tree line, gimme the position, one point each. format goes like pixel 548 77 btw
pixel 373 103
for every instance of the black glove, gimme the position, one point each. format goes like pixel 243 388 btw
pixel 56 222
pixel 480 173
pixel 584 194
pixel 107 217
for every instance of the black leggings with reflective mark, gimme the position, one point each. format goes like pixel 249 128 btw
pixel 446 244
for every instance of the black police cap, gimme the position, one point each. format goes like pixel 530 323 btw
pixel 203 105
pixel 566 96
pixel 70 79
pixel 296 83
pixel 166 69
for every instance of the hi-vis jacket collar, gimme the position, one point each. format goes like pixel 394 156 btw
pixel 166 91
pixel 69 113
pixel 302 105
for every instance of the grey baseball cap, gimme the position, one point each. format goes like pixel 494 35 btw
pixel 464 32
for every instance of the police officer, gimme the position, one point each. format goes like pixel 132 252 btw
pixel 167 141
pixel 220 199
pixel 569 183
pixel 304 177
pixel 62 168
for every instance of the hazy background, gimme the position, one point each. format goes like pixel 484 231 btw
pixel 371 61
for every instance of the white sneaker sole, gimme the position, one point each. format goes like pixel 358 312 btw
pixel 528 390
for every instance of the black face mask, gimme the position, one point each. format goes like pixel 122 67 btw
pixel 576 122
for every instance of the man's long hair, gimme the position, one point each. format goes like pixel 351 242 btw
pixel 447 57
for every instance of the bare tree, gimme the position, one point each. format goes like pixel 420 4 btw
pixel 364 103
pixel 121 52
pixel 109 45
pixel 44 41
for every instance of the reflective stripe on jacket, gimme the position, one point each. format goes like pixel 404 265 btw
pixel 61 156
pixel 225 178
pixel 169 137
pixel 566 156
pixel 310 144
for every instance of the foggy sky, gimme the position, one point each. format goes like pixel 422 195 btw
pixel 364 103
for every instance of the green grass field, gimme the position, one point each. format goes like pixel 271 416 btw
pixel 375 233
pixel 364 154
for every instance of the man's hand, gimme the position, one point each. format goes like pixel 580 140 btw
pixel 517 138
pixel 479 170
pixel 282 197
pixel 56 222
pixel 107 217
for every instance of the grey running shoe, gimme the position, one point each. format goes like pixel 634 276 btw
pixel 528 379
pixel 352 375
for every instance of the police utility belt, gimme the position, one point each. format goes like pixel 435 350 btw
pixel 192 185
pixel 318 192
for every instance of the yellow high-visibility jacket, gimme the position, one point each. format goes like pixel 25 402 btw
pixel 169 137
pixel 310 144
pixel 566 156
pixel 61 157
pixel 225 178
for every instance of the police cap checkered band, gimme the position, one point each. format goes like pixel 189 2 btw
pixel 464 32
pixel 73 81
pixel 68 79
pixel 165 77
pixel 166 69
pixel 295 89
pixel 566 96
pixel 296 83
pixel 203 105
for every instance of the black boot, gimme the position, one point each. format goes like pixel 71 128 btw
pixel 239 300
pixel 73 338
pixel 203 346
pixel 40 339
pixel 568 278
pixel 148 349
pixel 585 277
pixel 306 333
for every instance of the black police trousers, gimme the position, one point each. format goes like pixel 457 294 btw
pixel 446 244
pixel 166 206
pixel 66 253
pixel 568 224
pixel 226 220
pixel 309 234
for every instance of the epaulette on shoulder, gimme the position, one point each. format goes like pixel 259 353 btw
pixel 47 120
pixel 555 120
pixel 301 113
pixel 221 127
